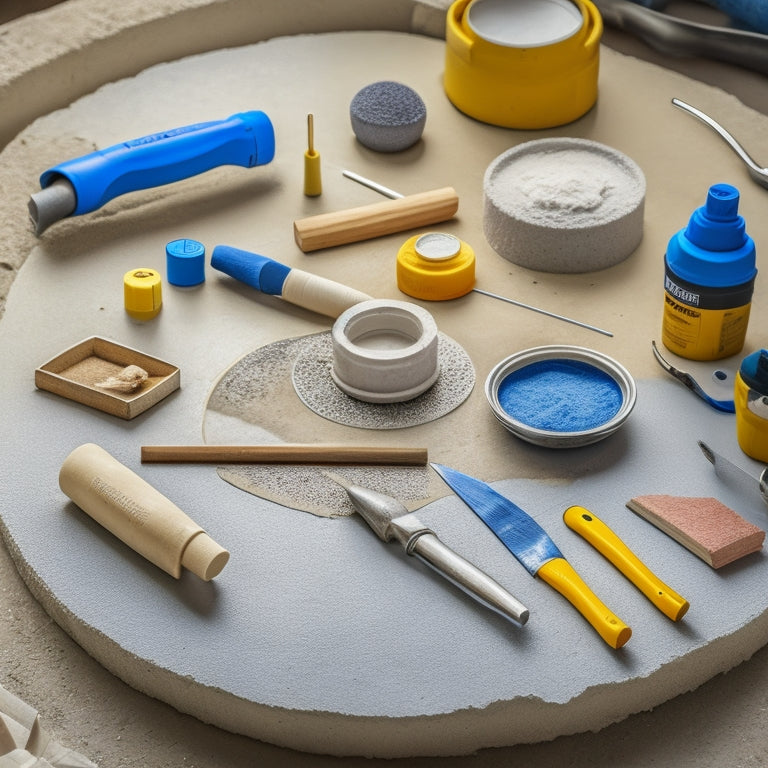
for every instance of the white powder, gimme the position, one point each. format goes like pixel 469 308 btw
pixel 563 188
pixel 563 205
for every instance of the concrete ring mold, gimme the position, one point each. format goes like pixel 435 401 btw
pixel 385 351
pixel 313 383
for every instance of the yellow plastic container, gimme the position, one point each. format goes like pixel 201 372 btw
pixel 142 293
pixel 435 266
pixel 751 401
pixel 536 84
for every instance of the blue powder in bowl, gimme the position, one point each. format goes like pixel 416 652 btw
pixel 560 396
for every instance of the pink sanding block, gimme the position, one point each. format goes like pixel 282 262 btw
pixel 705 526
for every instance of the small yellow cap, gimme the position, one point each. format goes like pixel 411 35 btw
pixel 143 293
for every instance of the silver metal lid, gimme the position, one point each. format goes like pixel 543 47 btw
pixel 565 437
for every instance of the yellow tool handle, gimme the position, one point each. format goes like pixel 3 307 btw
pixel 560 575
pixel 368 221
pixel 608 544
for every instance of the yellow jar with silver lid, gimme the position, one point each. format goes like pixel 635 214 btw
pixel 523 64
pixel 435 266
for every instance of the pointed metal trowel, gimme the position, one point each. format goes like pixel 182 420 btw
pixel 389 519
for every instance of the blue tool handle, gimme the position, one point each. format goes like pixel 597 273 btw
pixel 752 14
pixel 244 139
pixel 260 272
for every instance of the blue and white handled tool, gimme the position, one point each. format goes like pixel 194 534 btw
pixel 86 183
pixel 301 288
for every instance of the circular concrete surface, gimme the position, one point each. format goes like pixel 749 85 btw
pixel 317 635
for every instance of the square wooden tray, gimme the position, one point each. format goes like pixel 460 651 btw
pixel 75 372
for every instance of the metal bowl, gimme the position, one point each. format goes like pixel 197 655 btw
pixel 579 369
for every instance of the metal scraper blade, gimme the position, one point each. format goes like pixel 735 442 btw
pixel 734 475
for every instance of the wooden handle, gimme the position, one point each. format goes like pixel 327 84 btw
pixel 559 574
pixel 366 222
pixel 320 294
pixel 283 454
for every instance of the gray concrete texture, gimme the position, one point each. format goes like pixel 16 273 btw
pixel 88 709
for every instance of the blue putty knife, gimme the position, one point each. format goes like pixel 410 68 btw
pixel 535 551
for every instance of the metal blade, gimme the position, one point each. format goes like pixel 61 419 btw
pixel 732 473
pixel 515 528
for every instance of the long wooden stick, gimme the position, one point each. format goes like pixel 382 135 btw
pixel 282 453
pixel 368 221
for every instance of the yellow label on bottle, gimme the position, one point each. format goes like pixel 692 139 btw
pixel 703 334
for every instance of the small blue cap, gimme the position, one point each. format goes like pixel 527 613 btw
pixel 717 226
pixel 185 262
pixel 754 370
pixel 714 250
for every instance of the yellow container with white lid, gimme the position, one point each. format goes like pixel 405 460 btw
pixel 525 64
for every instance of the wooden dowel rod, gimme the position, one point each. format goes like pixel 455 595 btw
pixel 282 454
pixel 368 221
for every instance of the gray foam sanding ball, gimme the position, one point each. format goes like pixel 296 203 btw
pixel 387 116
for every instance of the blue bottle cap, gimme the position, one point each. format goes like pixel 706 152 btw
pixel 754 371
pixel 714 250
pixel 717 226
pixel 185 262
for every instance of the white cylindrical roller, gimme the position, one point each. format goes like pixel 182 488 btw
pixel 138 514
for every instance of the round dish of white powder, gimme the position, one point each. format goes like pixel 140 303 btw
pixel 563 205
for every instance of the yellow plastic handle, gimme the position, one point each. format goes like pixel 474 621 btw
pixel 560 575
pixel 608 544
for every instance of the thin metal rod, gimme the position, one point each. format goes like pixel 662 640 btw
pixel 391 193
pixel 380 188
pixel 311 134
pixel 543 311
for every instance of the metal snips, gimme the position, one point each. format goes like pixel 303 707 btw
pixel 679 37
